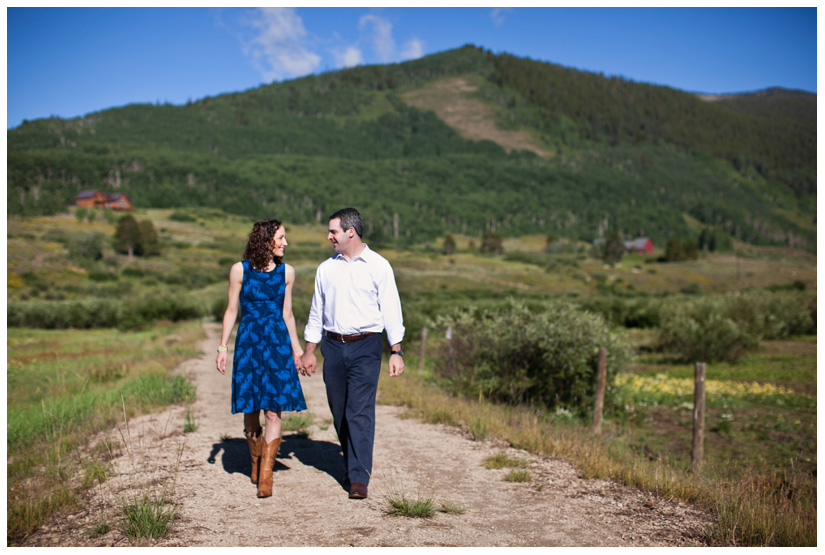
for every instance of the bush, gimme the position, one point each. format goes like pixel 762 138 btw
pixel 514 355
pixel 55 235
pixel 218 309
pixel 491 243
pixel 676 251
pixel 103 312
pixel 448 247
pixel 769 315
pixel 613 248
pixel 98 273
pixel 80 314
pixel 154 306
pixel 182 217
pixel 700 332
pixel 86 246
pixel 149 242
pixel 640 312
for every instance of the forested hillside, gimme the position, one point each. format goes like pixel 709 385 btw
pixel 625 156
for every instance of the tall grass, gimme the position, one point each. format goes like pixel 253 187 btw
pixel 751 504
pixel 64 387
pixel 145 488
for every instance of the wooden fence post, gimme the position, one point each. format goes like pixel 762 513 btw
pixel 423 349
pixel 601 380
pixel 451 361
pixel 698 417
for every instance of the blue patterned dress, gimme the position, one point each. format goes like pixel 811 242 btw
pixel 263 370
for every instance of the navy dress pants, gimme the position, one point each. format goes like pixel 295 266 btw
pixel 351 373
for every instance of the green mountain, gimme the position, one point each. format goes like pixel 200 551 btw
pixel 461 141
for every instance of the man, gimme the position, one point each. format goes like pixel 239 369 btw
pixel 355 300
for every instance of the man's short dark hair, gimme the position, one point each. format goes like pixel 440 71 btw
pixel 350 218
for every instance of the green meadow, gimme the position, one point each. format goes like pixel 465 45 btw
pixel 65 385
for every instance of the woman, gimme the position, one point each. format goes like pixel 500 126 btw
pixel 267 351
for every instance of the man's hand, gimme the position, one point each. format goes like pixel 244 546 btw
pixel 396 365
pixel 308 360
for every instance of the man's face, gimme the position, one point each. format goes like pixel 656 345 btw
pixel 339 237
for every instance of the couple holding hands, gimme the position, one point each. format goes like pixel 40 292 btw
pixel 355 300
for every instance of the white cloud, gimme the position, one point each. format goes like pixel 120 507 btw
pixel 382 40
pixel 279 49
pixel 498 15
pixel 350 57
pixel 413 49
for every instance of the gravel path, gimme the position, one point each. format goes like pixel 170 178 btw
pixel 208 472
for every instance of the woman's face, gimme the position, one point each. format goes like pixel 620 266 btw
pixel 279 242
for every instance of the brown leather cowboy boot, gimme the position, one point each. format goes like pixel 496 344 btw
pixel 268 453
pixel 255 441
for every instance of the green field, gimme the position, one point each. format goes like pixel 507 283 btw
pixel 65 386
pixel 761 410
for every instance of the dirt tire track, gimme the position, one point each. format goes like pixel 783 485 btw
pixel 217 505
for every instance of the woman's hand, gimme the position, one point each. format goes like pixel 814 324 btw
pixel 299 365
pixel 221 362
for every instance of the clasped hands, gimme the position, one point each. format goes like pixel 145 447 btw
pixel 305 363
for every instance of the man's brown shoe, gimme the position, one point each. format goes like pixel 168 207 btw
pixel 357 491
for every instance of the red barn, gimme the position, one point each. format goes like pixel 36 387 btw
pixel 640 245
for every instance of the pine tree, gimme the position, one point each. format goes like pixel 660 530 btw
pixel 127 238
pixel 449 244
pixel 613 248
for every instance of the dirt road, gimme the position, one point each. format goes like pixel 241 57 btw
pixel 208 472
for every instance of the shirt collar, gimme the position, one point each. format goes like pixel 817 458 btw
pixel 363 256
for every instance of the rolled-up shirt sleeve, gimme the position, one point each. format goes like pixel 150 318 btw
pixel 390 305
pixel 314 329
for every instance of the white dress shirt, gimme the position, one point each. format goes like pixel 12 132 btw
pixel 355 296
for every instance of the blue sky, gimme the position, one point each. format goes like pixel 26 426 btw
pixel 72 61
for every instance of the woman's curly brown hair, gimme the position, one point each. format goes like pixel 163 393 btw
pixel 259 245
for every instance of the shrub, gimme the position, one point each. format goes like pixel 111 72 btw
pixel 55 235
pixel 133 270
pixel 723 328
pixel 80 314
pixel 676 251
pixel 154 306
pixel 514 355
pixel 770 315
pixel 491 243
pixel 700 332
pixel 448 246
pixel 97 273
pixel 639 312
pixel 218 309
pixel 103 312
pixel 182 217
pixel 613 248
pixel 149 242
pixel 86 246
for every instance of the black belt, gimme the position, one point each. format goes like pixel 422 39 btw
pixel 350 338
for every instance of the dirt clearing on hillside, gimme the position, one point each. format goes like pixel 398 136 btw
pixel 452 101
